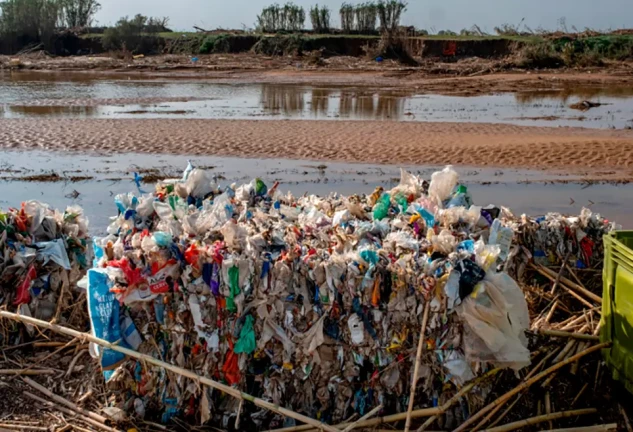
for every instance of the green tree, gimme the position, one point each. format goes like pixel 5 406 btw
pixel 78 13
pixel 320 18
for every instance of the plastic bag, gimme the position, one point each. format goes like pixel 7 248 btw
pixel 409 184
pixel 444 242
pixel 381 209
pixel 494 321
pixel 442 184
pixel 51 251
pixel 501 236
pixel 246 343
pixel 199 183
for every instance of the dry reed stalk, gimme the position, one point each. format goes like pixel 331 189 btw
pixel 627 423
pixel 465 389
pixel 548 408
pixel 180 371
pixel 69 412
pixel 598 428
pixel 528 383
pixel 582 390
pixel 576 287
pixel 540 419
pixel 416 369
pixel 27 371
pixel 66 402
pixel 557 333
pixel 363 418
pixel 527 377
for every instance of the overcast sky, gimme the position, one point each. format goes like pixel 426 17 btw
pixel 428 14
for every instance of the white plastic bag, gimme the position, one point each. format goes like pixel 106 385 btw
pixel 444 243
pixel 495 318
pixel 199 183
pixel 442 184
pixel 409 184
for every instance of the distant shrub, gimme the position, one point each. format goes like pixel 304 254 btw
pixel 216 44
pixel 280 45
pixel 540 55
pixel 137 35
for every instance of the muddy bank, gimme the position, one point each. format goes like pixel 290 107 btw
pixel 493 145
pixel 433 77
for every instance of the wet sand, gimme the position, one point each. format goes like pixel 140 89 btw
pixel 599 153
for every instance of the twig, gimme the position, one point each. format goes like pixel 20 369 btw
pixel 66 402
pixel 239 414
pixel 598 428
pixel 556 333
pixel 627 423
pixel 74 362
pixel 581 289
pixel 540 419
pixel 363 418
pixel 528 383
pixel 184 372
pixel 548 409
pixel 560 273
pixel 27 371
pixel 462 392
pixel 24 427
pixel 534 370
pixel 69 412
pixel 582 390
pixel 416 369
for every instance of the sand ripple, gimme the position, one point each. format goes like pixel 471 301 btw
pixel 368 141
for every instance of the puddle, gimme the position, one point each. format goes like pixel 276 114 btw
pixel 520 190
pixel 94 96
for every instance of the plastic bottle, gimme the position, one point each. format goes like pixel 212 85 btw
pixel 502 237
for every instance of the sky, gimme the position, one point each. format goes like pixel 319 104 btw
pixel 428 14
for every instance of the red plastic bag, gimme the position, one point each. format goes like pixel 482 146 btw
pixel 192 256
pixel 230 368
pixel 132 276
pixel 23 295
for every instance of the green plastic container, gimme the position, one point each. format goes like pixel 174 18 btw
pixel 616 324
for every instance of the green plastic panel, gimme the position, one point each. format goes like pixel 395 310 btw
pixel 617 305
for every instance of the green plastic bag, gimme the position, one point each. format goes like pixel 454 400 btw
pixel 246 343
pixel 381 209
pixel 234 288
pixel 260 187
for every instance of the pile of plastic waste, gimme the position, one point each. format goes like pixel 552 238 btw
pixel 313 303
pixel 43 253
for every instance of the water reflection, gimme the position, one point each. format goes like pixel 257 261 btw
pixel 55 111
pixel 568 94
pixel 297 101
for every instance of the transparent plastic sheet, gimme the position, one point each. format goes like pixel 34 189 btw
pixel 442 184
pixel 496 317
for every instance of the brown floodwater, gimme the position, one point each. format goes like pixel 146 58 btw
pixel 82 95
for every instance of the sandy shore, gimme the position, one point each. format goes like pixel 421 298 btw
pixel 600 153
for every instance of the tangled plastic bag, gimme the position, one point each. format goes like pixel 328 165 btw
pixel 442 184
pixel 495 317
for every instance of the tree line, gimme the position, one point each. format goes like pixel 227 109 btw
pixel 23 22
pixel 362 18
